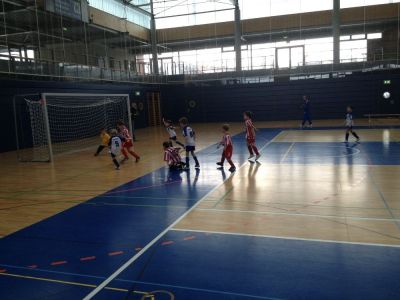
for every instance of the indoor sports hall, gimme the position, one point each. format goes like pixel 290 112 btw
pixel 199 149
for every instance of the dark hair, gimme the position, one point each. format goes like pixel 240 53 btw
pixel 183 121
pixel 120 123
pixel 166 144
pixel 249 114
pixel 351 107
pixel 102 129
pixel 225 127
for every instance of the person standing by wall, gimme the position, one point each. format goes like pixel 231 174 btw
pixel 306 112
pixel 134 114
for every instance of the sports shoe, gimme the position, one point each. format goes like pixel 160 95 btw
pixel 358 140
pixel 124 160
pixel 137 159
pixel 258 156
pixel 116 168
pixel 232 169
pixel 250 157
pixel 219 164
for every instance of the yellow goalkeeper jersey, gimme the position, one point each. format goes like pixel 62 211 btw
pixel 105 138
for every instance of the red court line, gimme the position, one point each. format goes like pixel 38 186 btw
pixel 33 266
pixel 3 270
pixel 115 253
pixel 143 187
pixel 57 263
pixel 87 258
pixel 167 243
pixel 188 238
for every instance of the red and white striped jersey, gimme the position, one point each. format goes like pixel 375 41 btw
pixel 227 141
pixel 250 134
pixel 171 156
pixel 124 132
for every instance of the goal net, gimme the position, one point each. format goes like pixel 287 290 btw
pixel 67 123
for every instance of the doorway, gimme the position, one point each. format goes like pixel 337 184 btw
pixel 154 108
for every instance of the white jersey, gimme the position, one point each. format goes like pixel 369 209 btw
pixel 115 145
pixel 189 134
pixel 171 131
pixel 349 120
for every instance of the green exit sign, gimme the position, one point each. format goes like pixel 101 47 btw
pixel 386 82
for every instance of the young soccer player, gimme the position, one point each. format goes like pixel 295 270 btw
pixel 190 141
pixel 228 148
pixel 251 135
pixel 306 112
pixel 105 138
pixel 128 144
pixel 115 143
pixel 171 131
pixel 349 124
pixel 172 157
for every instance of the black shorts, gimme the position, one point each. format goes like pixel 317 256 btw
pixel 177 166
pixel 113 155
pixel 172 138
pixel 190 148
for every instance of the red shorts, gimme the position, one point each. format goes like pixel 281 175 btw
pixel 228 152
pixel 128 144
pixel 251 141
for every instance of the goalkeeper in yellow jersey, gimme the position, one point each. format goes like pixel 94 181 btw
pixel 105 139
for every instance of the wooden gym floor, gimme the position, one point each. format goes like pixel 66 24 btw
pixel 310 199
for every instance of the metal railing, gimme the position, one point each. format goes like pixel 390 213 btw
pixel 174 71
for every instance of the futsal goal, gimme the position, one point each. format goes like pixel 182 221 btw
pixel 51 124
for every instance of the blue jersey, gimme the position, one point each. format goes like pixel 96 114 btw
pixel 306 107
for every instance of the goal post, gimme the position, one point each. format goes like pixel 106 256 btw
pixel 62 123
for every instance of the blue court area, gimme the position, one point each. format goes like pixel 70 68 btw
pixel 69 254
pixel 220 266
pixel 365 153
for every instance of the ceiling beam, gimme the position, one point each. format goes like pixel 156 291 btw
pixel 136 7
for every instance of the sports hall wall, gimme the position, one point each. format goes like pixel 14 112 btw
pixel 9 88
pixel 225 103
pixel 282 100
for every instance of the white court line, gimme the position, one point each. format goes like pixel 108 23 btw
pixel 158 237
pixel 287 152
pixel 284 238
pixel 300 214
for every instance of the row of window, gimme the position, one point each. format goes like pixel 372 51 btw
pixel 290 54
pixel 178 13
pixel 121 10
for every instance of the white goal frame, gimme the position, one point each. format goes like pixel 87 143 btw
pixel 44 97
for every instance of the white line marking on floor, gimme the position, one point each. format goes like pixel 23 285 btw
pixel 300 214
pixel 158 237
pixel 284 238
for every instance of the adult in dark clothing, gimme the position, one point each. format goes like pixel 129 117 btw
pixel 134 113
pixel 306 112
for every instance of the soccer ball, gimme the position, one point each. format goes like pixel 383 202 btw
pixel 386 95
